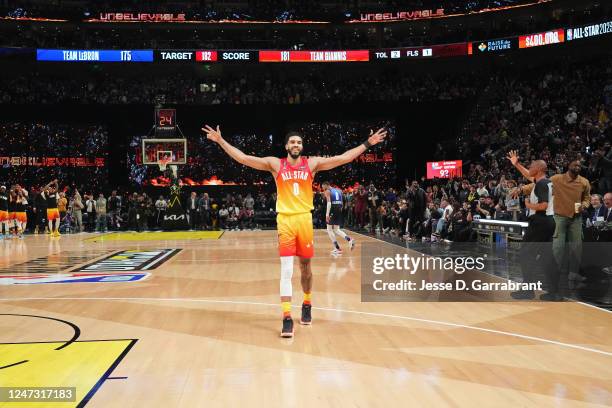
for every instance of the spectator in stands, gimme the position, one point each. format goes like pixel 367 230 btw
pixel 77 210
pixel 141 210
pixel 418 204
pixel 247 218
pixel 233 216
pixel 608 205
pixel 460 225
pixel 595 211
pixel 481 190
pixel 160 207
pixel 90 209
pixel 204 211
pixel 374 201
pixel 101 213
pixel 445 219
pixel 486 208
pixel 192 211
pixel 114 210
pixel 223 216
pixel 361 206
pixel 604 162
pixel 62 205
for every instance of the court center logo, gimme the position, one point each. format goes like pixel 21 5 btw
pixel 117 267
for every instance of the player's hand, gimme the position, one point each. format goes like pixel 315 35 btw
pixel 327 219
pixel 514 193
pixel 377 137
pixel 513 157
pixel 212 134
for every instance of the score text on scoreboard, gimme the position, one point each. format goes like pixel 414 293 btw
pixel 165 120
pixel 444 169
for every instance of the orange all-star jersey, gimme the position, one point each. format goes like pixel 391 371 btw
pixel 294 188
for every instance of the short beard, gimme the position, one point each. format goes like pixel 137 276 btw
pixel 293 156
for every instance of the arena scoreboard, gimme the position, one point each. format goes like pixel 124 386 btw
pixel 444 169
pixel 210 56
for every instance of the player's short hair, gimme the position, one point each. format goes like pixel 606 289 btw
pixel 292 133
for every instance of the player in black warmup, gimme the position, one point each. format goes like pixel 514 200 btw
pixel 333 217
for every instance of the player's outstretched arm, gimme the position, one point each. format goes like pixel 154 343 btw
pixel 259 163
pixel 328 163
pixel 513 157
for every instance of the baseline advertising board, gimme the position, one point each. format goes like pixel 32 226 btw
pixel 499 45
pixel 588 31
pixel 444 169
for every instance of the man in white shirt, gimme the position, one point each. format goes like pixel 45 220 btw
pixel 482 191
pixel 160 206
pixel 192 208
pixel 90 208
pixel 223 214
pixel 233 214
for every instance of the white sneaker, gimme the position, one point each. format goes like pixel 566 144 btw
pixel 352 244
pixel 336 252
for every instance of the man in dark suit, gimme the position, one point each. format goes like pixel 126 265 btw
pixel 607 207
pixel 192 208
pixel 595 210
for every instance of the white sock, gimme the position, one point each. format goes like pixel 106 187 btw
pixel 330 233
pixel 286 273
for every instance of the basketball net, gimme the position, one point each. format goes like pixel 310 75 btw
pixel 163 163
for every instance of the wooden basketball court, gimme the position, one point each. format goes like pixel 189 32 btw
pixel 200 327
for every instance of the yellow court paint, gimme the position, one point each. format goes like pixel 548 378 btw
pixel 156 236
pixel 82 364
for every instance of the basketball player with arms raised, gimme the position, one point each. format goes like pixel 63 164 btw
pixel 294 175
